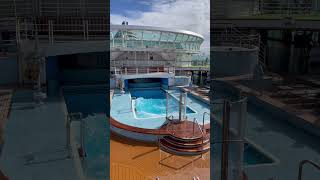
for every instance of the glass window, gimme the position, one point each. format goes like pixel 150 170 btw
pixel 179 37
pixel 172 37
pixel 151 35
pixel 164 36
pixel 185 37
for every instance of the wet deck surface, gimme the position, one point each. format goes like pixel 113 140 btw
pixel 274 134
pixel 35 139
pixel 299 96
pixel 145 161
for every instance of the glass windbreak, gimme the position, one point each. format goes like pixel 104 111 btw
pixel 154 39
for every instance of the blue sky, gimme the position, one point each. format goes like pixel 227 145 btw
pixel 122 7
pixel 192 15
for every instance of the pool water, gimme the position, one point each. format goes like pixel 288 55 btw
pixel 149 109
pixel 152 103
pixel 93 106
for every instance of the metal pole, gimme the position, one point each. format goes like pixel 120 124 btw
pixel 225 137
pixel 84 29
pixel 82 135
pixel 68 132
pixel 185 105
pixel 194 121
pixel 167 105
pixel 180 106
pixel 241 133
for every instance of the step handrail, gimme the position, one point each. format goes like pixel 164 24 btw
pixel 204 113
pixel 195 121
pixel 302 163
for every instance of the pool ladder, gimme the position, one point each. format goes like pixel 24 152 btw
pixel 132 99
pixel 76 117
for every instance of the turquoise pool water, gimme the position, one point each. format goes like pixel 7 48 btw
pixel 93 106
pixel 152 103
pixel 150 108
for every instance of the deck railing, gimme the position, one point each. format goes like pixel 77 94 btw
pixel 140 70
pixel 229 35
pixel 53 31
pixel 256 8
pixel 158 63
pixel 17 8
pixel 286 8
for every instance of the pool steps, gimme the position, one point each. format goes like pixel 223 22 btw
pixel 182 147
pixel 185 140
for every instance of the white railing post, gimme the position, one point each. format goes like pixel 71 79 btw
pixel 49 31
pixel 18 31
pixel 87 29
pixel 84 29
pixel 26 29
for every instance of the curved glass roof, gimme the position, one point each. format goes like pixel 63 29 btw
pixel 152 37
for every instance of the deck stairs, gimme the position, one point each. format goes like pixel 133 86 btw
pixel 186 138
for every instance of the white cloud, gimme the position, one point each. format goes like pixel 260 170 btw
pixel 192 15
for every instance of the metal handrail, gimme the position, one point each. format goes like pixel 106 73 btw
pixel 230 35
pixel 285 8
pixel 169 122
pixel 84 30
pixel 82 126
pixel 302 163
pixel 203 118
pixel 168 118
pixel 132 98
pixel 195 121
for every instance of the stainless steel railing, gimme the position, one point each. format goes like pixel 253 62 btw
pixel 195 121
pixel 52 32
pixel 203 118
pixel 16 8
pixel 286 8
pixel 76 117
pixel 264 7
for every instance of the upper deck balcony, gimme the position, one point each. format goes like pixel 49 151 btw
pixel 143 38
pixel 269 14
pixel 52 8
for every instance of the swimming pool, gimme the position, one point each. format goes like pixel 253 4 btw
pixel 93 106
pixel 151 103
pixel 149 107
